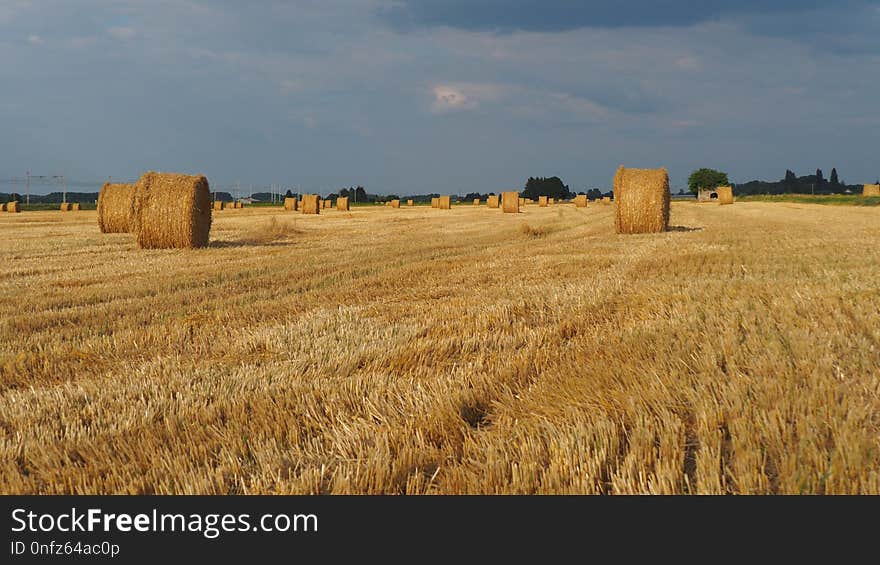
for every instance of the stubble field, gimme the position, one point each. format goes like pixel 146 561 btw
pixel 445 351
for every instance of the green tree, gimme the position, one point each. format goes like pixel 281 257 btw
pixel 706 178
pixel 834 180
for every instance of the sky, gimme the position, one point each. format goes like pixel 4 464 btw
pixel 452 96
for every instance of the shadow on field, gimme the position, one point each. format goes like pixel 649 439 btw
pixel 248 243
pixel 683 228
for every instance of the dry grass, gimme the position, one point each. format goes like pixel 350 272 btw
pixel 272 230
pixel 171 211
pixel 642 197
pixel 592 363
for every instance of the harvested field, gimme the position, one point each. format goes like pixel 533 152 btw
pixel 738 352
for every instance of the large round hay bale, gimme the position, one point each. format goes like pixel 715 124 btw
pixel 435 203
pixel 580 201
pixel 342 204
pixel 116 208
pixel 14 207
pixel 871 190
pixel 642 197
pixel 395 203
pixel 311 204
pixel 290 204
pixel 65 207
pixel 218 205
pixel 444 203
pixel 492 201
pixel 476 201
pixel 725 194
pixel 542 201
pixel 75 207
pixel 510 202
pixel 172 211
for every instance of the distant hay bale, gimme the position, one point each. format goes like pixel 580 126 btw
pixel 476 201
pixel 510 202
pixel 14 207
pixel 542 201
pixel 522 201
pixel 289 204
pixel 444 203
pixel 410 202
pixel 239 204
pixel 551 201
pixel 65 206
pixel 529 201
pixel 328 204
pixel 218 205
pixel 75 207
pixel 606 200
pixel 172 211
pixel 580 201
pixel 395 203
pixel 310 204
pixel 2 206
pixel 871 190
pixel 435 202
pixel 492 201
pixel 642 197
pixel 342 203
pixel 725 194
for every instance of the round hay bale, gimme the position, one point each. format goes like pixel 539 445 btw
pixel 492 201
pixel 410 202
pixel 551 201
pixel 115 208
pixel 290 204
pixel 725 194
pixel 435 203
pixel 580 201
pixel 172 211
pixel 14 207
pixel 510 202
pixel 311 204
pixel 476 201
pixel 395 203
pixel 75 207
pixel 871 190
pixel 218 205
pixel 542 201
pixel 2 206
pixel 642 197
pixel 444 203
pixel 342 204
pixel 65 207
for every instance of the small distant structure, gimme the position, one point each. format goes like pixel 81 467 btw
pixel 707 195
pixel 248 200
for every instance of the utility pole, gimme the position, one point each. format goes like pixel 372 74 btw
pixel 28 184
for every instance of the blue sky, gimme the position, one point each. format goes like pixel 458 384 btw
pixel 415 96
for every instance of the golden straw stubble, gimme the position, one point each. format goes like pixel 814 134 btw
pixel 642 198
pixel 116 208
pixel 172 211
